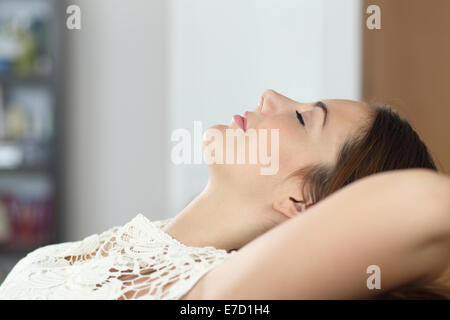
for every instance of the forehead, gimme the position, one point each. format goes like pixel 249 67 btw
pixel 348 112
pixel 344 119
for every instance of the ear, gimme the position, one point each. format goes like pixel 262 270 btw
pixel 289 206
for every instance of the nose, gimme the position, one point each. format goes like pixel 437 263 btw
pixel 272 102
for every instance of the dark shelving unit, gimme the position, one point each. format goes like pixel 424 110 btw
pixel 30 122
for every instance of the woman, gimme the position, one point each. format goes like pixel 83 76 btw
pixel 220 245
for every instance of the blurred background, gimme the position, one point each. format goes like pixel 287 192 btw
pixel 86 115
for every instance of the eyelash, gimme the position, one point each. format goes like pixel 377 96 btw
pixel 300 118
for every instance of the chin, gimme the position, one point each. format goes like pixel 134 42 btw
pixel 218 127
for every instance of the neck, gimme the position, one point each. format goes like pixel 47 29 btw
pixel 222 218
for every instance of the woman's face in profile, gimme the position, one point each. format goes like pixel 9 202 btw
pixel 308 133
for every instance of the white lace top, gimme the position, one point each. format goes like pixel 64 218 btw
pixel 136 261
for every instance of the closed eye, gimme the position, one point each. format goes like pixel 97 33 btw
pixel 300 118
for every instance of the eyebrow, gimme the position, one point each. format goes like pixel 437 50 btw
pixel 322 105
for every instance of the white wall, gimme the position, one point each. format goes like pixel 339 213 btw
pixel 116 115
pixel 139 69
pixel 223 54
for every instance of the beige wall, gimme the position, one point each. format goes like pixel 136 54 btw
pixel 407 64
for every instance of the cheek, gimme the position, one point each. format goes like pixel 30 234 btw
pixel 295 148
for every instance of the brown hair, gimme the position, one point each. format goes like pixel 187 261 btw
pixel 388 143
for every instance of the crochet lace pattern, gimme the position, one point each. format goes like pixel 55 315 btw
pixel 135 261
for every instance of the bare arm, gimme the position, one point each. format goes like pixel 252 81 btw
pixel 399 221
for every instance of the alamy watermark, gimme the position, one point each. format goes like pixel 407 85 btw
pixel 374 20
pixel 234 146
pixel 73 21
pixel 374 280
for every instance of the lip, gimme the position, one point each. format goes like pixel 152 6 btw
pixel 241 121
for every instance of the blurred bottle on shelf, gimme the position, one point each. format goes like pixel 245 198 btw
pixel 28 128
pixel 35 105
pixel 24 62
pixel 26 214
pixel 24 43
pixel 40 29
pixel 9 48
pixel 16 122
